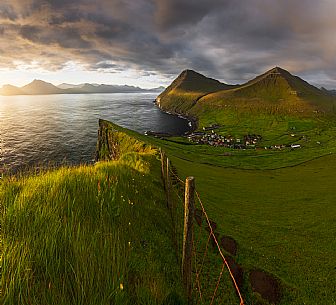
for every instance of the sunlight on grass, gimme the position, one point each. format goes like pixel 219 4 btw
pixel 88 235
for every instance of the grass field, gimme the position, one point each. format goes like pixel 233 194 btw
pixel 283 221
pixel 102 234
pixel 279 206
pixel 96 234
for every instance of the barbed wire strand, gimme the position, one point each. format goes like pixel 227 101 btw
pixel 218 281
pixel 176 176
pixel 225 263
pixel 220 251
pixel 197 272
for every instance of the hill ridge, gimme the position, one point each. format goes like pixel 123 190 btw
pixel 276 88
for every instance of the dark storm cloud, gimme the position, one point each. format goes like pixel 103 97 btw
pixel 229 39
pixel 173 13
pixel 64 37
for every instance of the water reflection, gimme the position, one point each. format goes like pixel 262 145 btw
pixel 53 128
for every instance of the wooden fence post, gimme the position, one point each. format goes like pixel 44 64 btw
pixel 168 184
pixel 189 208
pixel 163 158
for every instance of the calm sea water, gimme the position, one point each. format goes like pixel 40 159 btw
pixel 39 130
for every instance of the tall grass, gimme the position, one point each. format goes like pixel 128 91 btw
pixel 88 235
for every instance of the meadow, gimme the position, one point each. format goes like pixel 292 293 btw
pixel 278 205
pixel 97 234
pixel 102 234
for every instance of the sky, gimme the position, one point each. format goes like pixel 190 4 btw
pixel 149 42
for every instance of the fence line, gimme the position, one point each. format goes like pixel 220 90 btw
pixel 174 186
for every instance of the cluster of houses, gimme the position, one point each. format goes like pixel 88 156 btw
pixel 214 139
pixel 247 142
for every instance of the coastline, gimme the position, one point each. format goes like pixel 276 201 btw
pixel 192 121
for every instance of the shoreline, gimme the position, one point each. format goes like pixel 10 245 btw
pixel 191 120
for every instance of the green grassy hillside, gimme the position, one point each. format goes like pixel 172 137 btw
pixel 275 92
pixel 283 220
pixel 273 96
pixel 97 234
pixel 186 89
pixel 101 234
pixel 278 206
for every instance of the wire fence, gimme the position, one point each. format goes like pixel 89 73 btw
pixel 215 278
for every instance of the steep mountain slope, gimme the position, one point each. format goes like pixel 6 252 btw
pixel 186 89
pixel 276 90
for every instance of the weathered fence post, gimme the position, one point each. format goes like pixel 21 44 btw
pixel 163 158
pixel 189 208
pixel 168 185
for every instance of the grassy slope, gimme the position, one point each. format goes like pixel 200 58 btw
pixel 281 212
pixel 186 89
pixel 282 219
pixel 266 105
pixel 89 235
pixel 269 98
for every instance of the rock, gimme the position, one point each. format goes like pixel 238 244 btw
pixel 229 245
pixel 266 285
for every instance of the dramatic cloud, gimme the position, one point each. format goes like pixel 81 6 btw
pixel 232 40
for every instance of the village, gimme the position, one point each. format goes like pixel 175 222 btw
pixel 214 139
pixel 249 141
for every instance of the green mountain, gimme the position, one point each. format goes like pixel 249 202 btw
pixel 278 89
pixel 186 89
pixel 274 92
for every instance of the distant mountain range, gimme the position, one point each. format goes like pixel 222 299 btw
pixel 39 87
pixel 276 91
pixel 332 92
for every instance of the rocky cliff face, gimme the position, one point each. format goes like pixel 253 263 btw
pixel 107 142
pixel 114 141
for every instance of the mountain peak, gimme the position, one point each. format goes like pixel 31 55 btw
pixel 38 86
pixel 38 81
pixel 189 85
pixel 190 80
pixel 278 71
pixel 188 73
pixel 274 74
